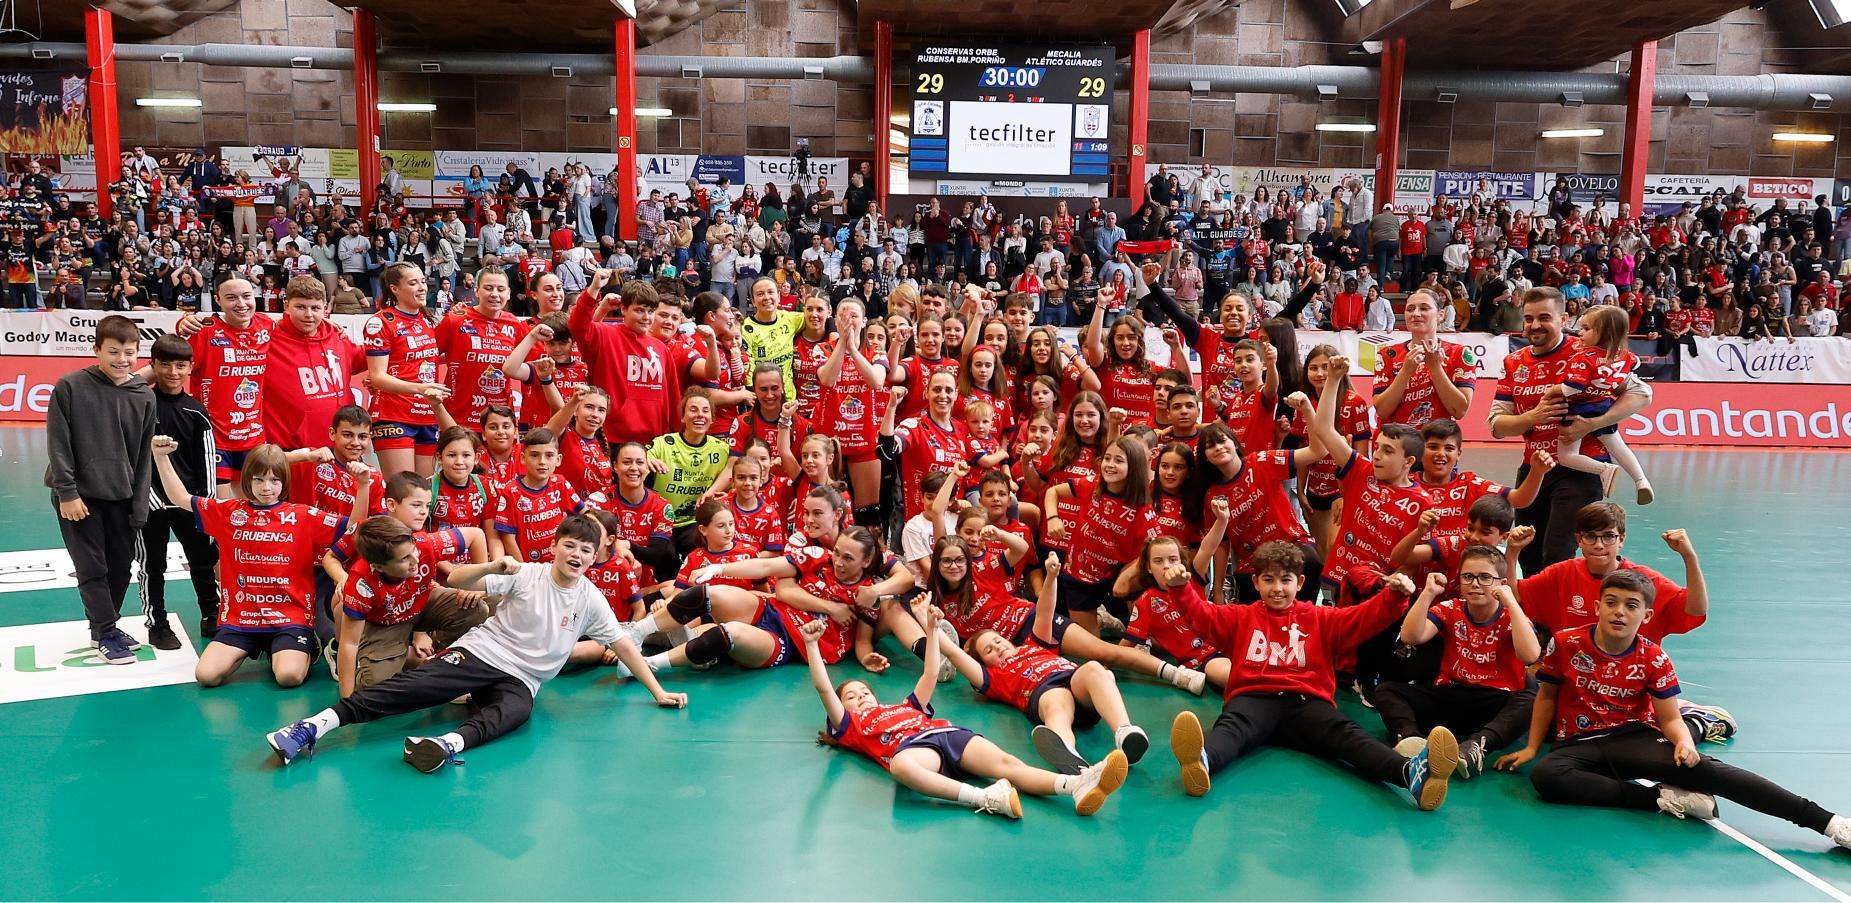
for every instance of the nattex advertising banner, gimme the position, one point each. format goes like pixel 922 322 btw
pixel 1819 361
pixel 44 113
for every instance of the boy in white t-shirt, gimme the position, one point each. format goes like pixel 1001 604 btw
pixel 542 610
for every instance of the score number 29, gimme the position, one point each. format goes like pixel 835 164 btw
pixel 934 83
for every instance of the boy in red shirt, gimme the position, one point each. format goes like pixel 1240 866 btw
pixel 1482 690
pixel 627 355
pixel 1608 699
pixel 1381 500
pixel 397 614
pixel 529 508
pixel 1284 677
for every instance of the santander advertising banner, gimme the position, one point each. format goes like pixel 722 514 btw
pixel 1730 415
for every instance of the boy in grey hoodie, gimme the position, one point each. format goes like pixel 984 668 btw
pixel 99 426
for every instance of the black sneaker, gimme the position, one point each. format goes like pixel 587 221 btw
pixel 208 628
pixel 161 635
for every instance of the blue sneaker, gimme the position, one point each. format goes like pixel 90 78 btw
pixel 293 741
pixel 429 754
pixel 1709 723
pixel 1430 769
pixel 116 647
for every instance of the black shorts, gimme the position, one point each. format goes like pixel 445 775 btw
pixel 1083 716
pixel 1318 502
pixel 1025 634
pixel 270 642
pixel 1078 595
pixel 949 743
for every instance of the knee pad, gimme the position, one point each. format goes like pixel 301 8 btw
pixel 690 604
pixel 870 516
pixel 709 648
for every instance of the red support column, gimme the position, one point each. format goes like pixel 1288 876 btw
pixel 1637 148
pixel 883 111
pixel 105 131
pixel 1388 122
pixel 1137 126
pixel 625 46
pixel 366 103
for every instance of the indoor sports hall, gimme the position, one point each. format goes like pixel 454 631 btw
pixel 1181 449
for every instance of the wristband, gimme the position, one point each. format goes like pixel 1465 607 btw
pixel 546 382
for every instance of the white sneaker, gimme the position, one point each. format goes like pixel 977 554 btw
pixel 1685 803
pixel 1839 830
pixel 947 670
pixel 1409 747
pixel 1471 759
pixel 1098 781
pixel 1189 679
pixel 1000 798
pixel 1608 475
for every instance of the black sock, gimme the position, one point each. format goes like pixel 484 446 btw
pixel 919 647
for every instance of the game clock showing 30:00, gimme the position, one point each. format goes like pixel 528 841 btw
pixel 1002 112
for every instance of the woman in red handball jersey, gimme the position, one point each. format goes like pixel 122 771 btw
pixel 1423 378
pixel 1125 376
pixel 475 341
pixel 401 361
pixel 852 380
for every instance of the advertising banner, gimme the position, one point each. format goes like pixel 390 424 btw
pixel 1819 361
pixel 450 168
pixel 1719 415
pixel 1510 186
pixel 783 171
pixel 1413 187
pixel 44 112
pixel 1841 192
pixel 1583 187
pixel 1664 193
pixel 1005 188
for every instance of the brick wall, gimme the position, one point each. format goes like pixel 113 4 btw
pixel 728 116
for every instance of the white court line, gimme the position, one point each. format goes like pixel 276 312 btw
pixel 1818 883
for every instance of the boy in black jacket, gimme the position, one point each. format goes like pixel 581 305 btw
pixel 98 431
pixel 182 417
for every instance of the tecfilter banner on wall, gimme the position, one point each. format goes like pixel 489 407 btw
pixel 44 112
pixel 1820 361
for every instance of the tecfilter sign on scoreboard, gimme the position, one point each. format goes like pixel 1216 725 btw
pixel 1006 112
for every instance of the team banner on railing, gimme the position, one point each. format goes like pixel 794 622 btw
pixel 44 112
pixel 1819 361
pixel 72 333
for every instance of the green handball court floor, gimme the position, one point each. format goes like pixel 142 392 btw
pixel 170 792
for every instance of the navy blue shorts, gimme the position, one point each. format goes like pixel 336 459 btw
pixel 256 645
pixel 949 743
pixel 391 434
pixel 1026 633
pixel 226 465
pixel 768 620
pixel 1083 716
pixel 1078 595
pixel 1591 409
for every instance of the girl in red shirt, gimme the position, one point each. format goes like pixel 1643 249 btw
pixel 584 456
pixel 758 518
pixel 501 444
pixel 720 544
pixel 1115 518
pixel 1125 376
pixel 1319 489
pixel 1082 438
pixel 931 756
pixel 982 379
pixel 928 357
pixel 855 377
pixel 461 496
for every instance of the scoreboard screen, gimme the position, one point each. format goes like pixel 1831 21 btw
pixel 1010 112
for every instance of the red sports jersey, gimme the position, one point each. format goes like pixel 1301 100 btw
pixel 762 526
pixel 1413 238
pixel 808 357
pixel 327 485
pixel 1013 680
pixel 816 574
pixel 1160 618
pixel 1355 420
pixel 926 446
pixel 1479 655
pixel 268 556
pixel 228 370
pixel 879 731
pixel 752 426
pixel 1259 510
pixel 1566 595
pixel 467 505
pixel 703 556
pixel 993 573
pixel 990 610
pixel 1217 353
pixel 532 516
pixel 832 645
pixel 1068 509
pixel 1249 415
pixel 1454 499
pixel 1592 378
pixel 1124 385
pixel 634 363
pixel 370 596
pixel 1421 402
pixel 1168 511
pixel 735 374
pixel 645 520
pixel 1375 517
pixel 409 345
pixel 473 348
pixel 1290 651
pixel 1003 406
pixel 1111 531
pixel 1600 693
pixel 846 410
pixel 1528 375
pixel 617 580
pixel 567 378
pixel 501 473
pixel 979 448
pixel 585 464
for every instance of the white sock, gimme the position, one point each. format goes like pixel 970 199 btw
pixel 644 628
pixel 970 796
pixel 453 740
pixel 658 662
pixel 1064 783
pixel 1166 672
pixel 325 721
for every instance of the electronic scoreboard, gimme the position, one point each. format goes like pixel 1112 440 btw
pixel 1003 112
